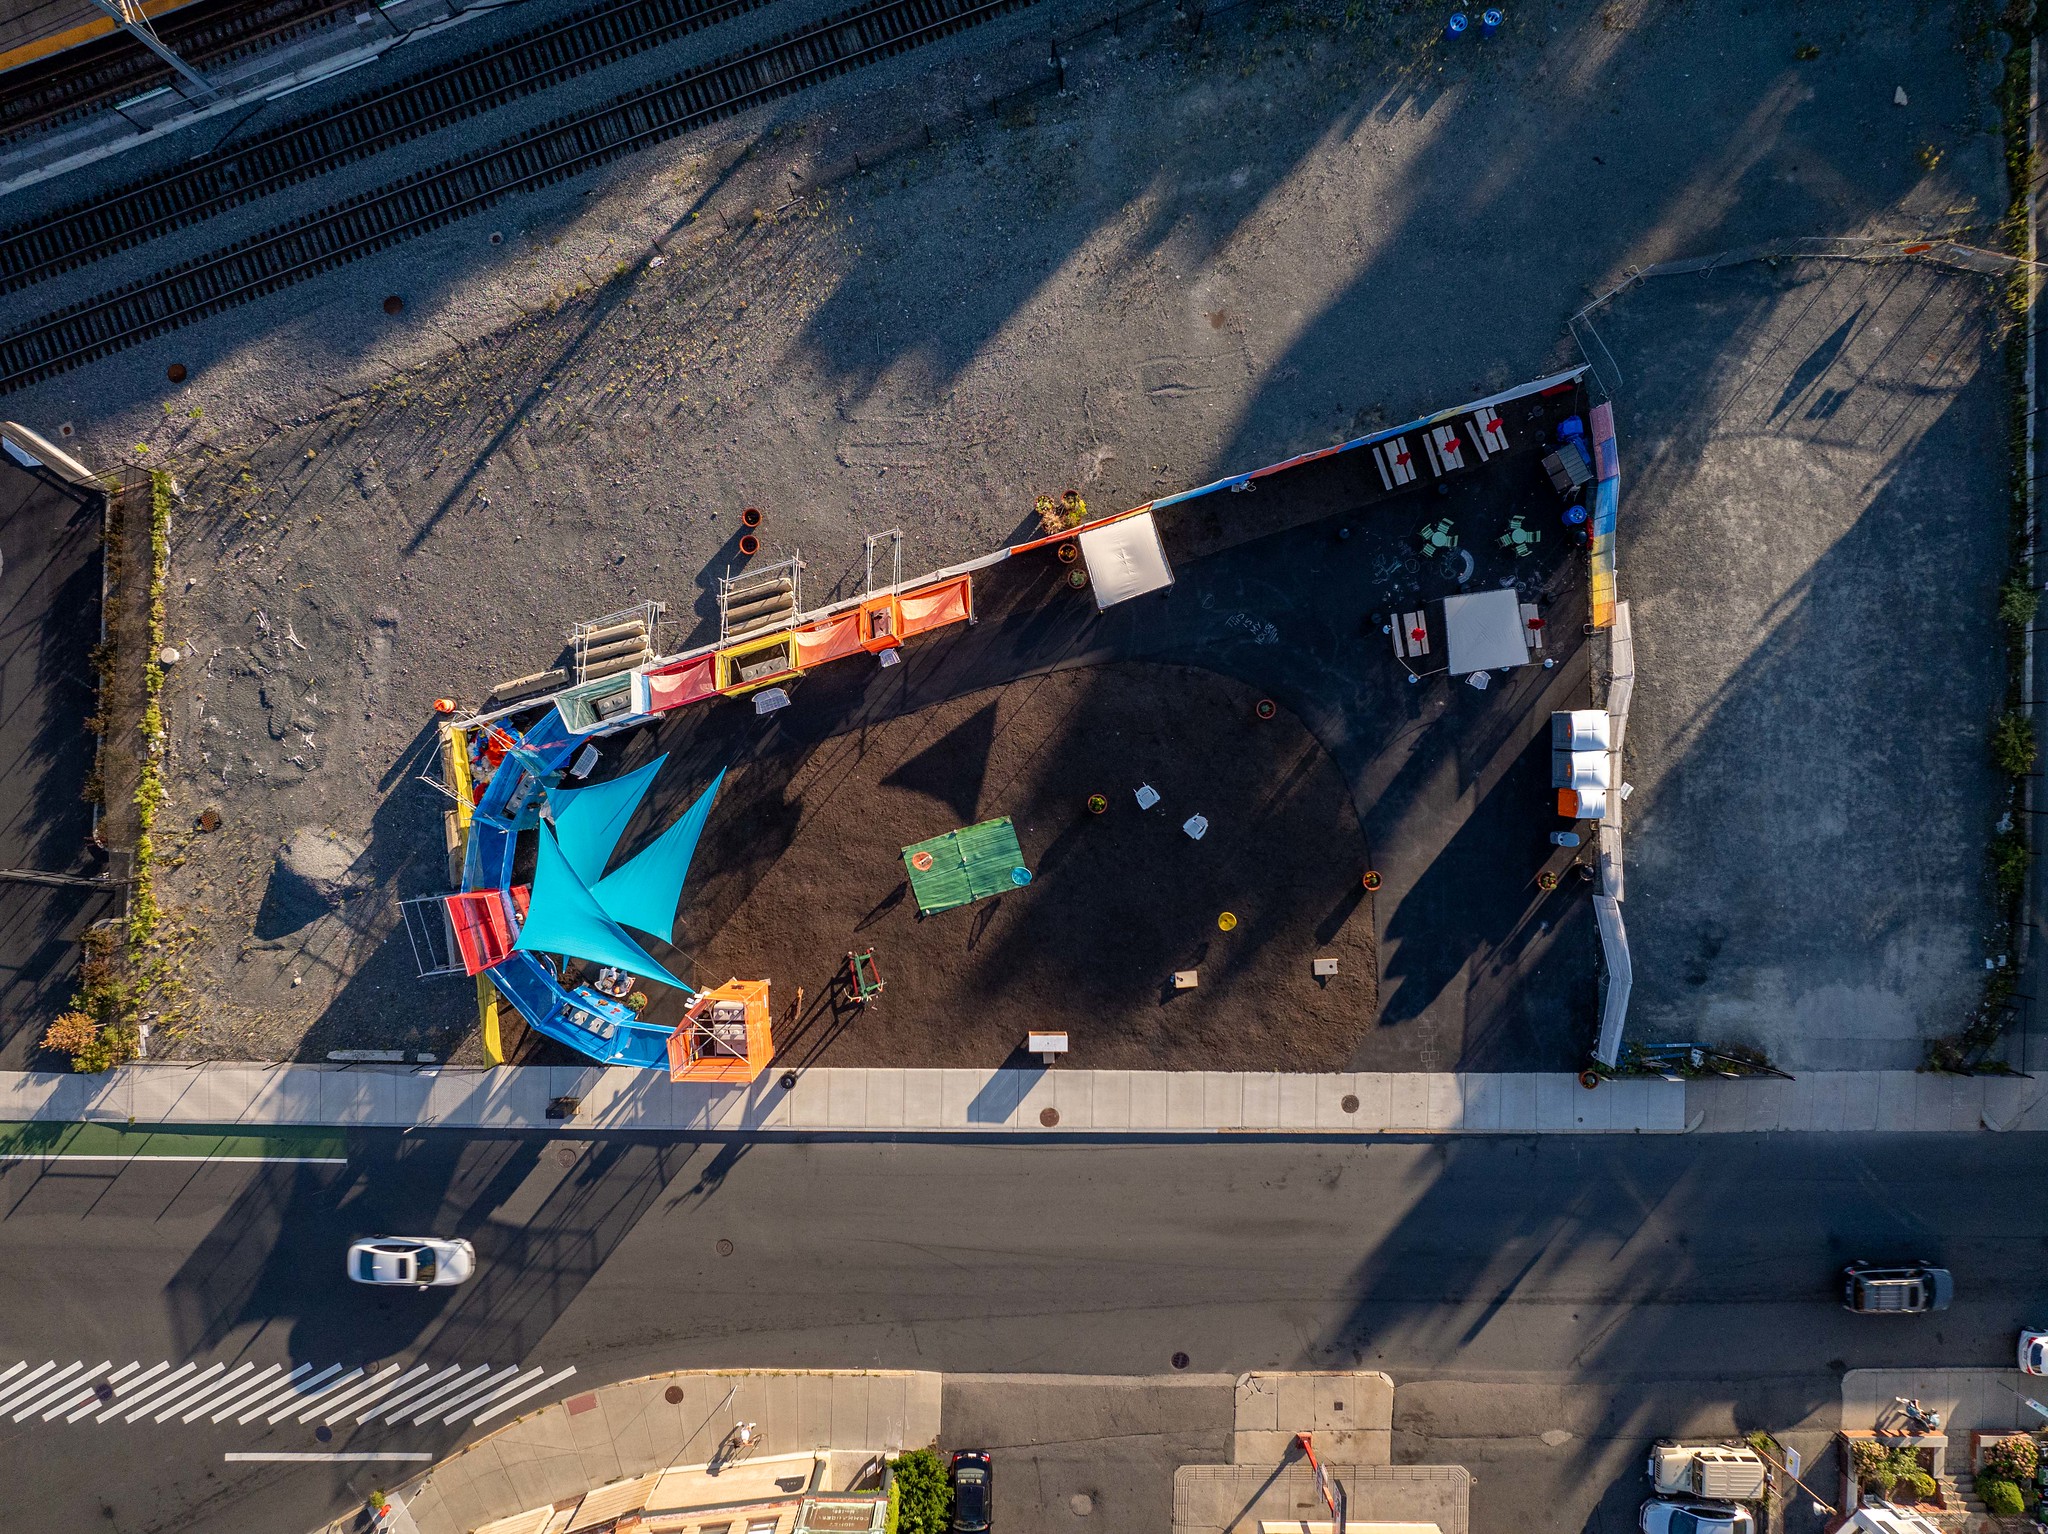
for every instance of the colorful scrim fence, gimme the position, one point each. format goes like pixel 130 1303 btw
pixel 1606 503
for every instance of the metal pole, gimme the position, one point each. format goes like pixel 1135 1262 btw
pixel 129 16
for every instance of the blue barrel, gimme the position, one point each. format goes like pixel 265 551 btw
pixel 1454 29
pixel 1489 22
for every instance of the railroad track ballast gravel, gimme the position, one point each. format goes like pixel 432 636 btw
pixel 466 184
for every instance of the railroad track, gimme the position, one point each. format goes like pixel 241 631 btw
pixel 363 125
pixel 467 184
pixel 55 90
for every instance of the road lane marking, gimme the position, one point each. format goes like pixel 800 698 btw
pixel 229 1390
pixel 474 1395
pixel 383 1385
pixel 422 1402
pixel 295 1393
pixel 205 1392
pixel 511 1401
pixel 342 1457
pixel 90 1399
pixel 408 1394
pixel 122 1404
pixel 265 1398
pixel 177 1391
pixel 55 1385
pixel 89 1407
pixel 148 1160
pixel 314 1395
pixel 432 1393
pixel 22 1384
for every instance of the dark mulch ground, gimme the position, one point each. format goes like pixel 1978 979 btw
pixel 803 861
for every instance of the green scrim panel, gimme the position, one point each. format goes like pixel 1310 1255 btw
pixel 967 865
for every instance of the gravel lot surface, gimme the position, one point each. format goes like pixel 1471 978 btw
pixel 1212 250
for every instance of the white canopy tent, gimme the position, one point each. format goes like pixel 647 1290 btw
pixel 1483 631
pixel 1125 559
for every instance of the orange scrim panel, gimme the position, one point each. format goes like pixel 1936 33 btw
pixel 726 1035
pixel 684 682
pixel 936 606
pixel 836 636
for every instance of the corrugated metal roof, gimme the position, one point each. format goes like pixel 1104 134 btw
pixel 608 1502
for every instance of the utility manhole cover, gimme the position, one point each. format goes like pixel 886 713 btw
pixel 1350 1103
pixel 673 1395
pixel 565 1155
pixel 1180 1360
pixel 724 1247
pixel 1048 1116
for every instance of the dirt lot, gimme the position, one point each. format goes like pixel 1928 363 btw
pixel 1214 250
pixel 803 861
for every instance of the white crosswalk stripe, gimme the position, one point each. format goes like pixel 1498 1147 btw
pixel 328 1389
pixel 230 1394
pixel 177 1390
pixel 74 1406
pixel 470 1398
pixel 203 1394
pixel 434 1394
pixel 26 1382
pixel 419 1404
pixel 382 1383
pixel 39 1397
pixel 295 1388
pixel 533 1390
pixel 136 1398
pixel 85 1387
pixel 87 1408
pixel 408 1393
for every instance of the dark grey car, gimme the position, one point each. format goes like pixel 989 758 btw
pixel 1910 1290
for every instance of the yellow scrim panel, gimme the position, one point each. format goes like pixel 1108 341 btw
pixel 487 1019
pixel 455 753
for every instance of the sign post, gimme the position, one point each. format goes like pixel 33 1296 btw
pixel 1323 1483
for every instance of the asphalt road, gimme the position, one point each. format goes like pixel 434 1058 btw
pixel 1618 1287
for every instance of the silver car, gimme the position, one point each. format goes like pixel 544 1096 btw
pixel 1684 1515
pixel 417 1262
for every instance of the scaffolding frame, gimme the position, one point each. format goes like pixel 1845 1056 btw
pixel 601 634
pixel 432 936
pixel 895 537
pixel 752 586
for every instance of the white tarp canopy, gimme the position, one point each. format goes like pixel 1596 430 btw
pixel 1126 559
pixel 1483 631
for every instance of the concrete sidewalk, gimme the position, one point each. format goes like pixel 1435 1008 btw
pixel 1021 1102
pixel 581 1448
pixel 1836 1101
pixel 995 1102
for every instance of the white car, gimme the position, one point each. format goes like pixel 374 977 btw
pixel 2034 1352
pixel 418 1262
pixel 1683 1515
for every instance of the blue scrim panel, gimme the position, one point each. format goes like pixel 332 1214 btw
pixel 645 891
pixel 589 821
pixel 564 917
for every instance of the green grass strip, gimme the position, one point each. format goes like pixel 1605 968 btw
pixel 186 1142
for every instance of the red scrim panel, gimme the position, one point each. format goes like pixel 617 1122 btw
pixel 483 934
pixel 836 636
pixel 936 606
pixel 684 682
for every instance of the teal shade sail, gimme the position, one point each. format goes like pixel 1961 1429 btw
pixel 563 917
pixel 590 821
pixel 645 890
